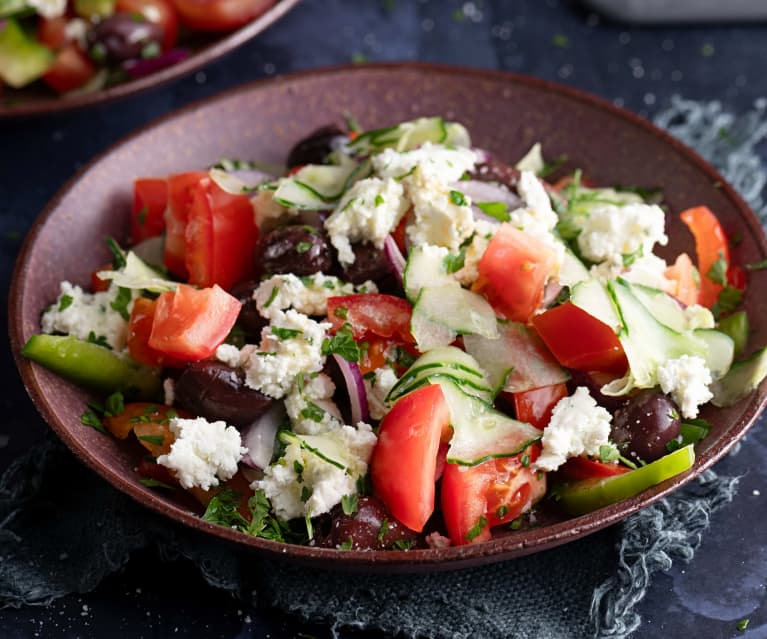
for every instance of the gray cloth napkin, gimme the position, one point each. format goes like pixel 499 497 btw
pixel 51 508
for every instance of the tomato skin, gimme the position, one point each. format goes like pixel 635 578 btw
pixel 220 236
pixel 52 32
pixel 176 215
pixel 219 15
pixel 404 462
pixel 376 313
pixel 682 274
pixel 150 198
pixel 535 406
pixel 513 272
pixel 139 330
pixel 97 284
pixel 71 70
pixel 160 12
pixel 190 324
pixel 579 340
pixel 584 468
pixel 498 490
pixel 711 244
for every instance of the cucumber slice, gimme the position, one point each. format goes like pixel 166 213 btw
pixel 318 186
pixel 11 7
pixel 481 432
pixel 742 378
pixel 407 136
pixel 720 350
pixel 136 274
pixel 456 135
pixel 662 306
pixel 517 361
pixel 591 296
pixel 572 270
pixel 462 311
pixel 326 448
pixel 425 267
pixel 430 334
pixel 737 327
pixel 581 497
pixel 22 59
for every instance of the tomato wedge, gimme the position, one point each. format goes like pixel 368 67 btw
pixel 71 70
pixel 579 340
pixel 513 272
pixel 220 236
pixel 585 468
pixel 150 198
pixel 404 462
pixel 139 330
pixel 161 12
pixel 477 498
pixel 535 406
pixel 219 15
pixel 190 324
pixel 176 215
pixel 711 245
pixel 376 313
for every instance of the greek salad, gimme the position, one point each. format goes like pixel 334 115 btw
pixel 78 46
pixel 403 341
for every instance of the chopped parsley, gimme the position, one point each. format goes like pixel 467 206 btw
pixel 743 624
pixel 349 504
pixel 118 255
pixel 476 529
pixel 385 525
pixel 224 510
pixel 155 440
pixel 342 344
pixel 525 461
pixel 306 493
pixel 272 296
pixel 114 405
pixel 141 217
pixel 727 301
pixel 516 524
pixel 379 200
pixel 65 302
pixel 347 545
pixel 757 266
pixel 155 483
pixel 303 247
pixel 497 210
pixel 312 412
pixel 90 418
pixel 285 333
pixel 121 301
pixel 98 340
pixel 404 544
pixel 458 198
pixel 341 312
pixel 453 263
pixel 608 453
pixel 718 271
pixel 298 467
pixel 502 511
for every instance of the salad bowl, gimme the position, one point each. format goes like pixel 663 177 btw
pixel 505 114
pixel 204 49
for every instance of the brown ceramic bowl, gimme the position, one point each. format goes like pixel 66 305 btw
pixel 206 48
pixel 505 113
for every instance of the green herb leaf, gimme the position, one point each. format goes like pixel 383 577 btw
pixel 224 510
pixel 349 504
pixel 99 340
pixel 525 461
pixel 385 525
pixel 497 210
pixel 285 333
pixel 404 544
pixel 608 453
pixel 743 624
pixel 156 440
pixel 118 255
pixel 303 247
pixel 453 263
pixel 718 271
pixel 347 545
pixel 476 529
pixel 306 493
pixel 141 217
pixel 516 524
pixel 457 198
pixel 342 344
pixel 121 301
pixel 65 302
pixel 114 405
pixel 89 418
pixel 155 483
pixel 313 412
pixel 379 200
pixel 754 266
pixel 502 511
pixel 341 312
pixel 272 296
pixel 727 301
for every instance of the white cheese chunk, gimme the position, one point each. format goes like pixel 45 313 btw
pixel 203 452
pixel 310 406
pixel 687 380
pixel 433 161
pixel 378 388
pixel 578 426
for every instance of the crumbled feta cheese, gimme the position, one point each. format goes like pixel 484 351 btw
pixel 378 388
pixel 437 219
pixel 321 484
pixel 203 452
pixel 310 406
pixel 697 316
pixel 578 426
pixel 87 314
pixel 648 270
pixel 538 218
pixel 308 295
pixel 169 391
pixel 533 160
pixel 48 8
pixel 369 211
pixel 686 379
pixel 610 233
pixel 483 233
pixel 77 29
pixel 272 366
pixel 433 161
pixel 228 354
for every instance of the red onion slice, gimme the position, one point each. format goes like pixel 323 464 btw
pixel 141 68
pixel 358 398
pixel 260 436
pixel 394 257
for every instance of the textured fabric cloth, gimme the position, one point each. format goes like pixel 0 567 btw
pixel 63 529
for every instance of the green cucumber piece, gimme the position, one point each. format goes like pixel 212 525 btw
pixel 409 135
pixel 138 275
pixel 737 327
pixel 572 270
pixel 662 306
pixel 318 186
pixel 517 361
pixel 460 310
pixel 720 350
pixel 584 496
pixel 425 267
pixel 11 7
pixel 93 366
pixel 326 448
pixel 22 58
pixel 742 378
pixel 591 296
pixel 430 334
pixel 480 432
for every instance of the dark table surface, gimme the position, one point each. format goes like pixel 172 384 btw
pixel 640 68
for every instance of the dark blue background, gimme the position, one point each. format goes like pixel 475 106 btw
pixel 639 68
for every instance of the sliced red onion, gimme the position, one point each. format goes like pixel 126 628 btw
pixel 394 257
pixel 480 191
pixel 141 68
pixel 550 293
pixel 358 398
pixel 260 436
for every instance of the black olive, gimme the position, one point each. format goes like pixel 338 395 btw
pixel 296 248
pixel 249 319
pixel 644 424
pixel 124 36
pixel 216 391
pixel 493 170
pixel 314 148
pixel 370 263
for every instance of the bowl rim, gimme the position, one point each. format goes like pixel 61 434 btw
pixel 205 56
pixel 453 557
